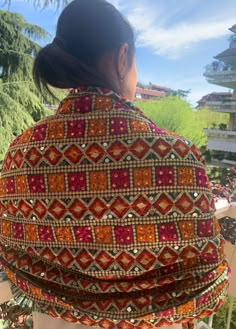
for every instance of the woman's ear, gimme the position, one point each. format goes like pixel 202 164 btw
pixel 122 61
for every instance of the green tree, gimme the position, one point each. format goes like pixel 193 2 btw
pixel 44 3
pixel 175 114
pixel 20 103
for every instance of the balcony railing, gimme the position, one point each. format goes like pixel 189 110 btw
pixel 221 76
pixel 225 105
pixel 221 140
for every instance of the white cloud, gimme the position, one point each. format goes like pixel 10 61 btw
pixel 116 3
pixel 155 31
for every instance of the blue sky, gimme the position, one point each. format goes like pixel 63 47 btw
pixel 176 39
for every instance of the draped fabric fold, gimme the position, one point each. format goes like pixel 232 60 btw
pixel 108 220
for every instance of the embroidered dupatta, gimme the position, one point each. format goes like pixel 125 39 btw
pixel 108 220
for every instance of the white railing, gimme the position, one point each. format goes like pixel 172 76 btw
pixel 221 76
pixel 228 105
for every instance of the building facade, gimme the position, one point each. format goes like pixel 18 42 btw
pixel 222 72
pixel 144 93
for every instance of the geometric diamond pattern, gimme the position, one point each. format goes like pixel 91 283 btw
pixel 184 204
pixel 168 256
pixel 73 154
pixel 139 148
pixel 141 206
pixel 163 204
pixel 119 207
pixel 161 147
pixel 181 148
pixel 98 208
pixel 57 209
pixel 117 151
pixel 65 257
pixel 77 209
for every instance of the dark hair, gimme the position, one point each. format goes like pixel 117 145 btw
pixel 86 30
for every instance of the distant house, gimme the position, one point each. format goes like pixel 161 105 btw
pixel 214 97
pixel 150 92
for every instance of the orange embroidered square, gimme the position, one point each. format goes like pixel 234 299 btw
pixel 66 106
pixel 187 230
pixel 56 182
pixel 103 234
pixel 10 275
pixel 21 185
pixel 25 137
pixel 98 180
pixel 6 228
pixel 185 176
pixel 145 233
pixel 2 186
pixel 64 234
pixel 56 130
pixel 186 308
pixel 36 292
pixel 31 232
pixel 142 177
pixel 97 127
pixel 103 103
pixel 138 126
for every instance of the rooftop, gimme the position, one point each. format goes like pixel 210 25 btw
pixel 148 92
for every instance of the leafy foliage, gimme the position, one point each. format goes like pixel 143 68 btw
pixel 20 103
pixel 44 3
pixel 220 319
pixel 175 114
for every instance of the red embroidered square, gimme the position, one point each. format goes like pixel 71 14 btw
pixel 118 126
pixel 18 231
pixel 98 180
pixel 22 284
pixel 124 234
pixel 187 230
pixel 202 179
pixel 10 185
pixel 185 176
pixel 56 182
pixel 142 177
pixel 167 232
pixel 103 234
pixel 36 183
pixel 39 133
pixel 145 233
pixel 205 228
pixel 97 127
pixel 165 176
pixel 120 179
pixel 77 182
pixel 45 233
pixel 56 130
pixel 83 104
pixel 83 234
pixel 76 128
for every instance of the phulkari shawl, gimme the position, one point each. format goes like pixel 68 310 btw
pixel 108 220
